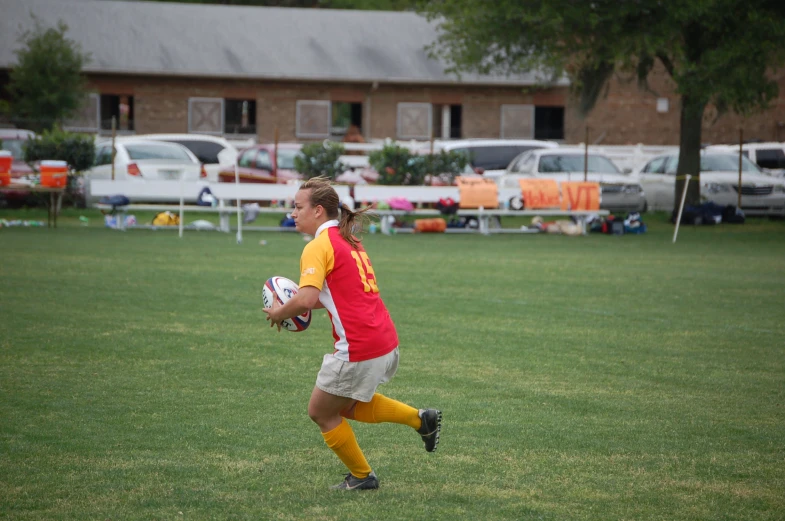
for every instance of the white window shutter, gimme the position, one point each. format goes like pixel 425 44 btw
pixel 415 120
pixel 517 122
pixel 206 115
pixel 313 118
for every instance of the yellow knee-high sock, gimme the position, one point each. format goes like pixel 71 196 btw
pixel 343 443
pixel 382 409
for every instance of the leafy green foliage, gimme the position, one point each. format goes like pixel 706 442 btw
pixel 319 159
pixel 78 150
pixel 380 5
pixel 721 52
pixel 398 166
pixel 46 84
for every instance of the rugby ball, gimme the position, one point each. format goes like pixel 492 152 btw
pixel 283 289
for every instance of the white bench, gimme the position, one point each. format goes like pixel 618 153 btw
pixel 432 194
pixel 173 196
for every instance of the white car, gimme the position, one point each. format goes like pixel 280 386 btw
pixel 145 160
pixel 618 192
pixel 770 157
pixel 490 157
pixel 719 182
pixel 215 153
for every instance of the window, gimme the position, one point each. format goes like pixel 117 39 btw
pixel 157 151
pixel 286 158
pixel 415 120
pixel 121 108
pixel 528 121
pixel 449 121
pixel 103 156
pixel 548 122
pixel 656 166
pixel 345 115
pixel 263 161
pixel 239 116
pixel 247 158
pixel 772 158
pixel 494 157
pixel 87 119
pixel 456 121
pixel 523 163
pixel 574 163
pixel 205 151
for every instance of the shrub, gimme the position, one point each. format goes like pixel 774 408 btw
pixel 398 166
pixel 320 159
pixel 78 150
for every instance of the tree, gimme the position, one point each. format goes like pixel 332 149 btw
pixel 720 52
pixel 46 84
pixel 379 5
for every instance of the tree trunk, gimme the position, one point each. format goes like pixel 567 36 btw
pixel 689 150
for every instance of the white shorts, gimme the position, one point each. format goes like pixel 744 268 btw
pixel 356 380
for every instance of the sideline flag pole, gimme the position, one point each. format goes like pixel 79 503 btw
pixel 182 197
pixel 681 206
pixel 586 156
pixel 741 149
pixel 239 211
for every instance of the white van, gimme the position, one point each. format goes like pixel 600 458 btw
pixel 770 157
pixel 490 157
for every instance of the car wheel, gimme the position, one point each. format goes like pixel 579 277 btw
pixel 516 203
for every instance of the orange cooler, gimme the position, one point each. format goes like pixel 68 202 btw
pixel 54 174
pixel 5 167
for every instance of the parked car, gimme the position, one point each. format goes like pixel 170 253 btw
pixel 215 153
pixel 770 157
pixel 490 157
pixel 618 192
pixel 13 140
pixel 143 160
pixel 761 194
pixel 259 164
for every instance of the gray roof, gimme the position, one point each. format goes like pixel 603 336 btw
pixel 175 39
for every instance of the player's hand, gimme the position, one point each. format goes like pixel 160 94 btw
pixel 272 314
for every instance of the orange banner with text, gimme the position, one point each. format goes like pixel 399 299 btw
pixel 580 195
pixel 476 192
pixel 539 194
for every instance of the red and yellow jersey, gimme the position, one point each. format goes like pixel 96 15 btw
pixel 362 327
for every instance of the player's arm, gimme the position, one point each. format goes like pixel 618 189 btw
pixel 306 299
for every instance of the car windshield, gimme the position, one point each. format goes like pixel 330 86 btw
pixel 719 163
pixel 494 157
pixel 15 147
pixel 729 162
pixel 156 151
pixel 286 158
pixel 574 163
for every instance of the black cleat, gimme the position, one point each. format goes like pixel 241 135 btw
pixel 430 428
pixel 354 483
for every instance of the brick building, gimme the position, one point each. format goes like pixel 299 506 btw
pixel 309 74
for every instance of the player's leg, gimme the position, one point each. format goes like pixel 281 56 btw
pixel 325 410
pixel 381 409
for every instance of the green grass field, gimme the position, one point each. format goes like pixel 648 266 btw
pixel 589 378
